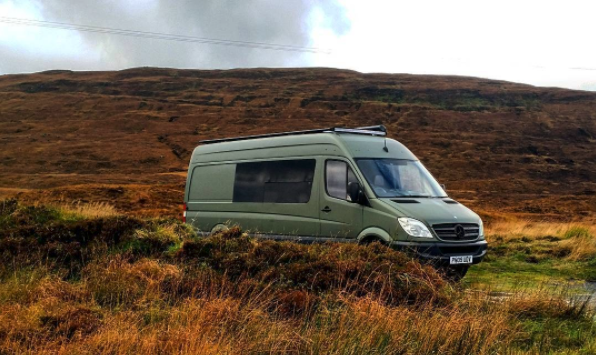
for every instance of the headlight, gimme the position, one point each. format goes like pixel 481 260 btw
pixel 414 227
pixel 480 229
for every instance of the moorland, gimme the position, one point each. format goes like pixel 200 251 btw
pixel 94 259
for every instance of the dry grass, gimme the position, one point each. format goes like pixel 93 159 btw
pixel 514 229
pixel 127 286
pixel 89 210
pixel 576 241
pixel 145 318
pixel 581 248
pixel 62 317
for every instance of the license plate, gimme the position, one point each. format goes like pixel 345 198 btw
pixel 465 259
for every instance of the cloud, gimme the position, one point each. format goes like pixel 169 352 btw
pixel 269 21
pixel 533 41
pixel 16 59
pixel 536 42
pixel 590 86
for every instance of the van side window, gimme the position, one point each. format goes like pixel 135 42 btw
pixel 284 181
pixel 338 175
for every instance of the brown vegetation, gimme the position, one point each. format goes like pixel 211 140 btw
pixel 92 154
pixel 120 285
pixel 572 241
pixel 125 137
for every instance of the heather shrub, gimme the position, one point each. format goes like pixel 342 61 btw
pixel 121 285
pixel 374 269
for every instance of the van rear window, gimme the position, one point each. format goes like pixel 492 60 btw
pixel 283 181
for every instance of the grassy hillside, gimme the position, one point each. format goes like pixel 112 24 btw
pixel 92 260
pixel 84 279
pixel 125 137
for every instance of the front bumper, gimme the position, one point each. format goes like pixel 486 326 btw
pixel 440 252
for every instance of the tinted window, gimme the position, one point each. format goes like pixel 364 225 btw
pixel 284 181
pixel 338 175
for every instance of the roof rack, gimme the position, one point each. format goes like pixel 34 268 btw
pixel 379 130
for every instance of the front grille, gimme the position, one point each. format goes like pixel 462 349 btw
pixel 459 250
pixel 457 231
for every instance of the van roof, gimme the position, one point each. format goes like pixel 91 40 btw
pixel 379 130
pixel 355 145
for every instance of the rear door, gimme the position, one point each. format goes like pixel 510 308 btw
pixel 340 218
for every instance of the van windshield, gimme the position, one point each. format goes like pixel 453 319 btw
pixel 396 177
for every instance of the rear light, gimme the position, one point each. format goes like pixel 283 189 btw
pixel 184 209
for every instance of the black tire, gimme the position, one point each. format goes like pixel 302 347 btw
pixel 373 239
pixel 455 273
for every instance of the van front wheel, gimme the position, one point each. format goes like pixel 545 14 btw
pixel 455 273
pixel 372 239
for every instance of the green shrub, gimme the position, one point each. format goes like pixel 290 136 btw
pixel 577 232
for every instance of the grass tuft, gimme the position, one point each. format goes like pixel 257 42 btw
pixel 88 210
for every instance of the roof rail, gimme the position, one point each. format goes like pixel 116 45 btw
pixel 379 130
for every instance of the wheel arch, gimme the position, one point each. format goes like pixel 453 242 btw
pixel 374 233
pixel 220 227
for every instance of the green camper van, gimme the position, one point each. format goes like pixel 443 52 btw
pixel 332 184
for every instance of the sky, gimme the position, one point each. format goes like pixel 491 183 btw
pixel 543 43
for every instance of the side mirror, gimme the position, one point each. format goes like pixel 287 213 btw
pixel 443 187
pixel 355 192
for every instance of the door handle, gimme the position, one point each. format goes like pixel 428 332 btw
pixel 326 209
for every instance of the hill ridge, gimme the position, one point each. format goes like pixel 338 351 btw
pixel 499 146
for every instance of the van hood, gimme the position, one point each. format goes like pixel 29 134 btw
pixel 433 210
